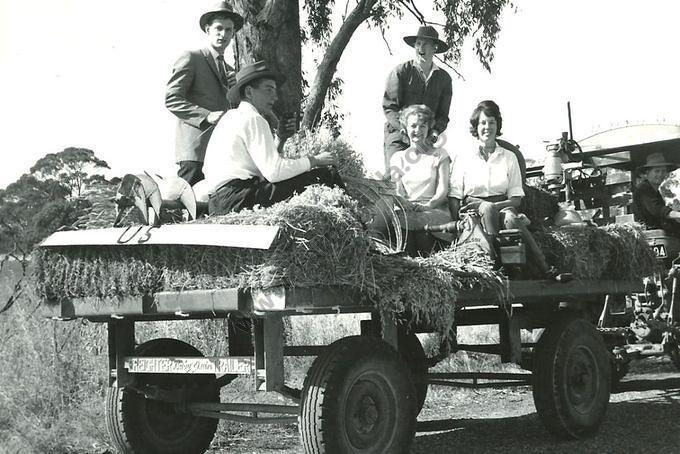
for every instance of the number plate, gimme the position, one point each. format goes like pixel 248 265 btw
pixel 193 365
pixel 660 250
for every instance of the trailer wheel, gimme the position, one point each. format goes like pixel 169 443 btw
pixel 138 425
pixel 412 351
pixel 571 378
pixel 357 397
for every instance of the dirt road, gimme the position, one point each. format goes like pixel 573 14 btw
pixel 643 417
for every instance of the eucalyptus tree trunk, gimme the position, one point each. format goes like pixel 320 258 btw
pixel 271 32
pixel 329 63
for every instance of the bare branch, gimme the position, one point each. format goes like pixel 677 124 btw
pixel 442 61
pixel 387 44
pixel 413 10
pixel 344 15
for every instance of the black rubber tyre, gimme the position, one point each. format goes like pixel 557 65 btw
pixel 138 425
pixel 357 397
pixel 413 354
pixel 571 378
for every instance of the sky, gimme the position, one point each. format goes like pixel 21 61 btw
pixel 92 74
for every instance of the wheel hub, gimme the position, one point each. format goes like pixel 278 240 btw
pixel 582 373
pixel 367 407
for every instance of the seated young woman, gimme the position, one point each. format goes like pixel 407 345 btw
pixel 488 179
pixel 421 174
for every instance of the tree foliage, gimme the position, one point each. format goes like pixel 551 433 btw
pixel 71 167
pixel 270 19
pixel 47 198
pixel 19 203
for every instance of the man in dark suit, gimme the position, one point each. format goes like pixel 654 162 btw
pixel 197 90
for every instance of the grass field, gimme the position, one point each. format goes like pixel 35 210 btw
pixel 53 374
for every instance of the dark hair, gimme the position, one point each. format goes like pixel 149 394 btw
pixel 217 15
pixel 255 83
pixel 490 109
pixel 421 110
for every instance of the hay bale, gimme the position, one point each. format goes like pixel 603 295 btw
pixel 323 242
pixel 616 251
pixel 427 288
pixel 320 242
pixel 309 143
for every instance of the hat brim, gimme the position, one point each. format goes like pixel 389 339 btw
pixel 236 18
pixel 674 165
pixel 234 95
pixel 441 45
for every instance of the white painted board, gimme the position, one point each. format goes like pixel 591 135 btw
pixel 241 236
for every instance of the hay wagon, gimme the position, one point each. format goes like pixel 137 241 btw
pixel 362 393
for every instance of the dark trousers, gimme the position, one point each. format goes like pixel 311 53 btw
pixel 191 171
pixel 237 195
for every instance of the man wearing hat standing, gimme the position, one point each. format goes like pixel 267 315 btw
pixel 244 166
pixel 197 90
pixel 417 81
pixel 649 206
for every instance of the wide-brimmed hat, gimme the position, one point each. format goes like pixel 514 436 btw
pixel 427 31
pixel 222 8
pixel 248 73
pixel 656 160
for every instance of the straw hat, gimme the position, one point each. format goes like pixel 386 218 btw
pixel 427 31
pixel 222 8
pixel 656 160
pixel 248 73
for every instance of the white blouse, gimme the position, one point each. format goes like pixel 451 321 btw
pixel 499 175
pixel 417 173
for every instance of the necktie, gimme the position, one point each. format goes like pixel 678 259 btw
pixel 221 67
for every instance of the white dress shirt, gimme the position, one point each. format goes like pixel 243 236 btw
pixel 473 176
pixel 242 146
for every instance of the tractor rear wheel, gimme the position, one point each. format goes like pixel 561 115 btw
pixel 571 378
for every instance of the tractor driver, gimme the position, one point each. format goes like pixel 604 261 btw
pixel 649 206
pixel 244 167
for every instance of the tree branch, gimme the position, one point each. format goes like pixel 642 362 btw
pixel 411 8
pixel 329 63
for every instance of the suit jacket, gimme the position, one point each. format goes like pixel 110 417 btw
pixel 193 91
pixel 650 208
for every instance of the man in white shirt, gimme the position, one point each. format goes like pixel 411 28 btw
pixel 244 166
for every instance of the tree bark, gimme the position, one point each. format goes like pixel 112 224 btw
pixel 271 32
pixel 329 63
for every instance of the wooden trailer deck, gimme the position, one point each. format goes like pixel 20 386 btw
pixel 318 300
